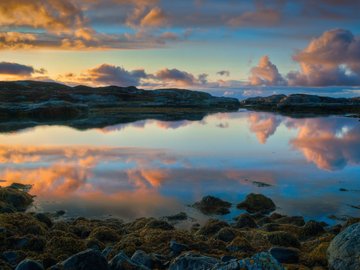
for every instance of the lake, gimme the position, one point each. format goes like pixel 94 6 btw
pixel 156 168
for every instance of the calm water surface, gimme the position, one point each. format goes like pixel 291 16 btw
pixel 155 168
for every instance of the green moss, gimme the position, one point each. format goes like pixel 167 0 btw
pixel 14 198
pixel 104 234
pixel 63 247
pixel 22 224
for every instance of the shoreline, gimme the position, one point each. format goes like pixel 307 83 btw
pixel 260 234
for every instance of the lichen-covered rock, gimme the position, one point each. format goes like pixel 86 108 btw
pixel 210 205
pixel 191 261
pixel 344 250
pixel 254 203
pixel 283 239
pixel 86 260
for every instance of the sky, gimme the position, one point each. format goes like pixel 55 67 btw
pixel 194 44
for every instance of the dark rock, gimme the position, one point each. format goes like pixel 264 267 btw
pixel 107 251
pixel 44 219
pixel 48 262
pixel 193 261
pixel 12 257
pixel 254 203
pixel 123 262
pixel 14 199
pixel 159 224
pixel 264 220
pixel 245 221
pixel 275 216
pixel 225 234
pixel 178 217
pixel 283 239
pixel 312 228
pixel 212 226
pixel 344 250
pixel 239 243
pixel 227 258
pixel 285 255
pixel 295 220
pixel 210 205
pixel 60 213
pixel 142 258
pixel 86 260
pixel 177 248
pixel 29 265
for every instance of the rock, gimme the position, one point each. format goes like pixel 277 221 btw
pixel 227 258
pixel 285 255
pixel 29 265
pixel 107 251
pixel 123 262
pixel 14 198
pixel 12 257
pixel 344 250
pixel 210 205
pixel 312 228
pixel 44 219
pixel 159 224
pixel 192 261
pixel 245 221
pixel 142 258
pixel 283 239
pixel 225 234
pixel 177 248
pixel 178 217
pixel 239 244
pixel 104 234
pixel 254 203
pixel 86 260
pixel 295 220
pixel 212 226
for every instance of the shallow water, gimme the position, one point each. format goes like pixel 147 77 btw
pixel 155 168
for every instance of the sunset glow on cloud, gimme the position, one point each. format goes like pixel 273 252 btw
pixel 194 44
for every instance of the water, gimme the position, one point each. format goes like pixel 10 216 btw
pixel 155 168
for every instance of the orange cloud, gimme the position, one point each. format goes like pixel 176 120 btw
pixel 263 125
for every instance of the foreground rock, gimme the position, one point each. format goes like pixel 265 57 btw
pixel 257 203
pixel 86 260
pixel 344 249
pixel 301 103
pixel 14 198
pixel 29 103
pixel 210 205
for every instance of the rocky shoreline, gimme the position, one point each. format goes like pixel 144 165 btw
pixel 257 239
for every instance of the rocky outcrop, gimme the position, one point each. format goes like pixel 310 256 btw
pixel 210 205
pixel 344 250
pixel 32 102
pixel 302 103
pixel 257 203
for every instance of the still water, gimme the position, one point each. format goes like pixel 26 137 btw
pixel 155 168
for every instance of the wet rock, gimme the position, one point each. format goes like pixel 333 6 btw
pixel 212 226
pixel 344 250
pixel 192 261
pixel 44 219
pixel 121 262
pixel 312 228
pixel 13 198
pixel 295 220
pixel 178 217
pixel 210 205
pixel 283 239
pixel 254 203
pixel 142 258
pixel 86 260
pixel 29 265
pixel 285 255
pixel 177 248
pixel 245 221
pixel 159 224
pixel 240 243
pixel 225 234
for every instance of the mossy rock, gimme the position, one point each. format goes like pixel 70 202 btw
pixel 318 255
pixel 211 227
pixel 239 244
pixel 104 234
pixel 283 239
pixel 63 247
pixel 210 205
pixel 22 224
pixel 15 198
pixel 255 203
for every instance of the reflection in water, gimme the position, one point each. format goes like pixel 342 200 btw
pixel 154 168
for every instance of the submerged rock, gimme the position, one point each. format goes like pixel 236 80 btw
pixel 255 203
pixel 210 205
pixel 344 250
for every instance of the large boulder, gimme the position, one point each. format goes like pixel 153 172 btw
pixel 86 260
pixel 344 250
pixel 255 203
pixel 14 199
pixel 210 205
pixel 29 265
pixel 121 262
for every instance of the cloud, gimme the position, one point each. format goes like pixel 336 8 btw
pixel 266 73
pixel 15 69
pixel 223 73
pixel 331 59
pixel 155 18
pixel 180 78
pixel 263 125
